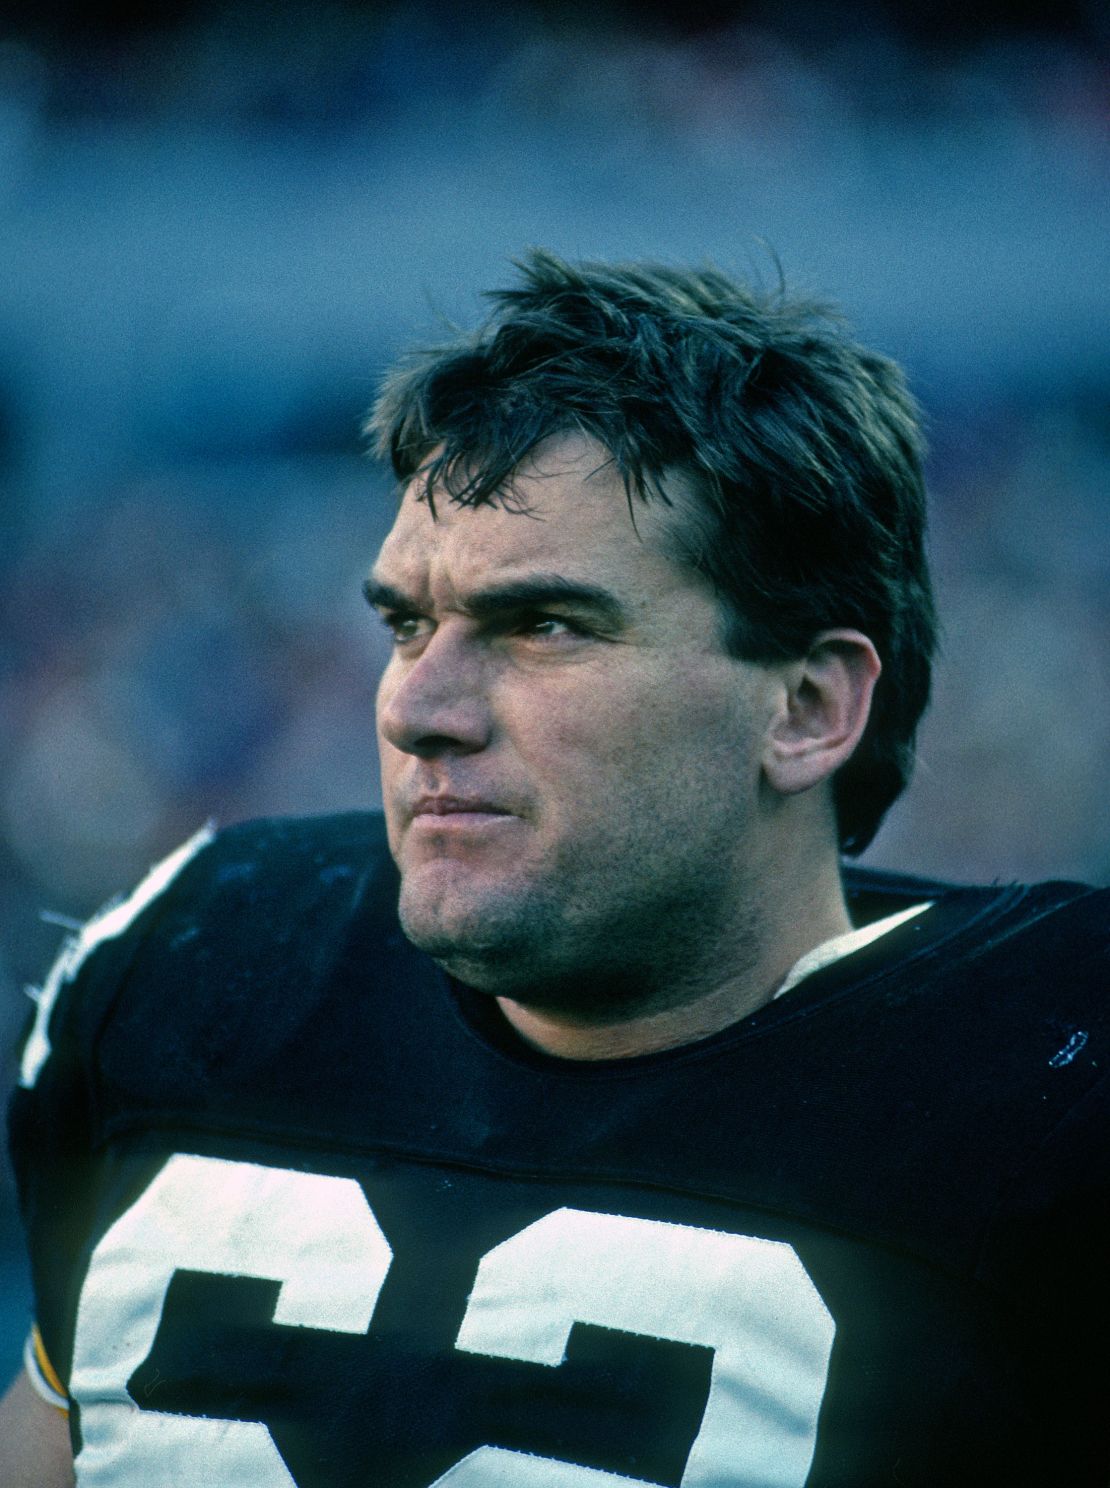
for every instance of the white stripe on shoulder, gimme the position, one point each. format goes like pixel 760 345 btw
pixel 111 921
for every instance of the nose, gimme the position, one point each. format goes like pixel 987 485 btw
pixel 437 703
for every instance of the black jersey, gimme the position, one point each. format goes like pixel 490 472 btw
pixel 302 1212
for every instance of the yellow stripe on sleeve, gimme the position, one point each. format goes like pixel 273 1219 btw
pixel 44 1377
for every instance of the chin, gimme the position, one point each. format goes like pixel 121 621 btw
pixel 444 916
pixel 486 934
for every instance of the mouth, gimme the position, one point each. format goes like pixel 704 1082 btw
pixel 448 812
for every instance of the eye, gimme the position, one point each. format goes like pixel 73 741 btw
pixel 542 627
pixel 404 626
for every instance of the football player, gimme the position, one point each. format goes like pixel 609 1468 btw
pixel 588 1124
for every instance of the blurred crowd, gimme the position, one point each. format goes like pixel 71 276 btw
pixel 221 226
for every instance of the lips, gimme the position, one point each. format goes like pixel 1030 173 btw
pixel 456 806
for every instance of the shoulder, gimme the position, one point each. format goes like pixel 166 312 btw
pixel 1057 920
pixel 870 888
pixel 207 977
pixel 1010 978
pixel 1008 983
pixel 271 889
pixel 246 885
pixel 275 866
pixel 283 851
pixel 268 865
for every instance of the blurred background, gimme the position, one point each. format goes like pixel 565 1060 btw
pixel 219 227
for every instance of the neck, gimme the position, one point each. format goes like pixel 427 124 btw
pixel 795 917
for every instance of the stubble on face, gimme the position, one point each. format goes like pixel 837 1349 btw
pixel 620 753
pixel 600 935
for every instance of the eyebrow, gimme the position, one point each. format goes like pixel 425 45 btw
pixel 538 591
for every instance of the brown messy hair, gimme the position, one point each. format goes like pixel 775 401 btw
pixel 801 448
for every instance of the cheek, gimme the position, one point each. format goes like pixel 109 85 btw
pixel 651 736
pixel 576 721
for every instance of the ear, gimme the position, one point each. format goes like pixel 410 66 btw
pixel 824 707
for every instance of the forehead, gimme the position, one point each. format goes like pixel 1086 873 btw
pixel 569 515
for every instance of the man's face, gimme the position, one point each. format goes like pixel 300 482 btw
pixel 570 760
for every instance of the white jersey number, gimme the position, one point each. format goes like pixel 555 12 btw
pixel 315 1234
pixel 749 1300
